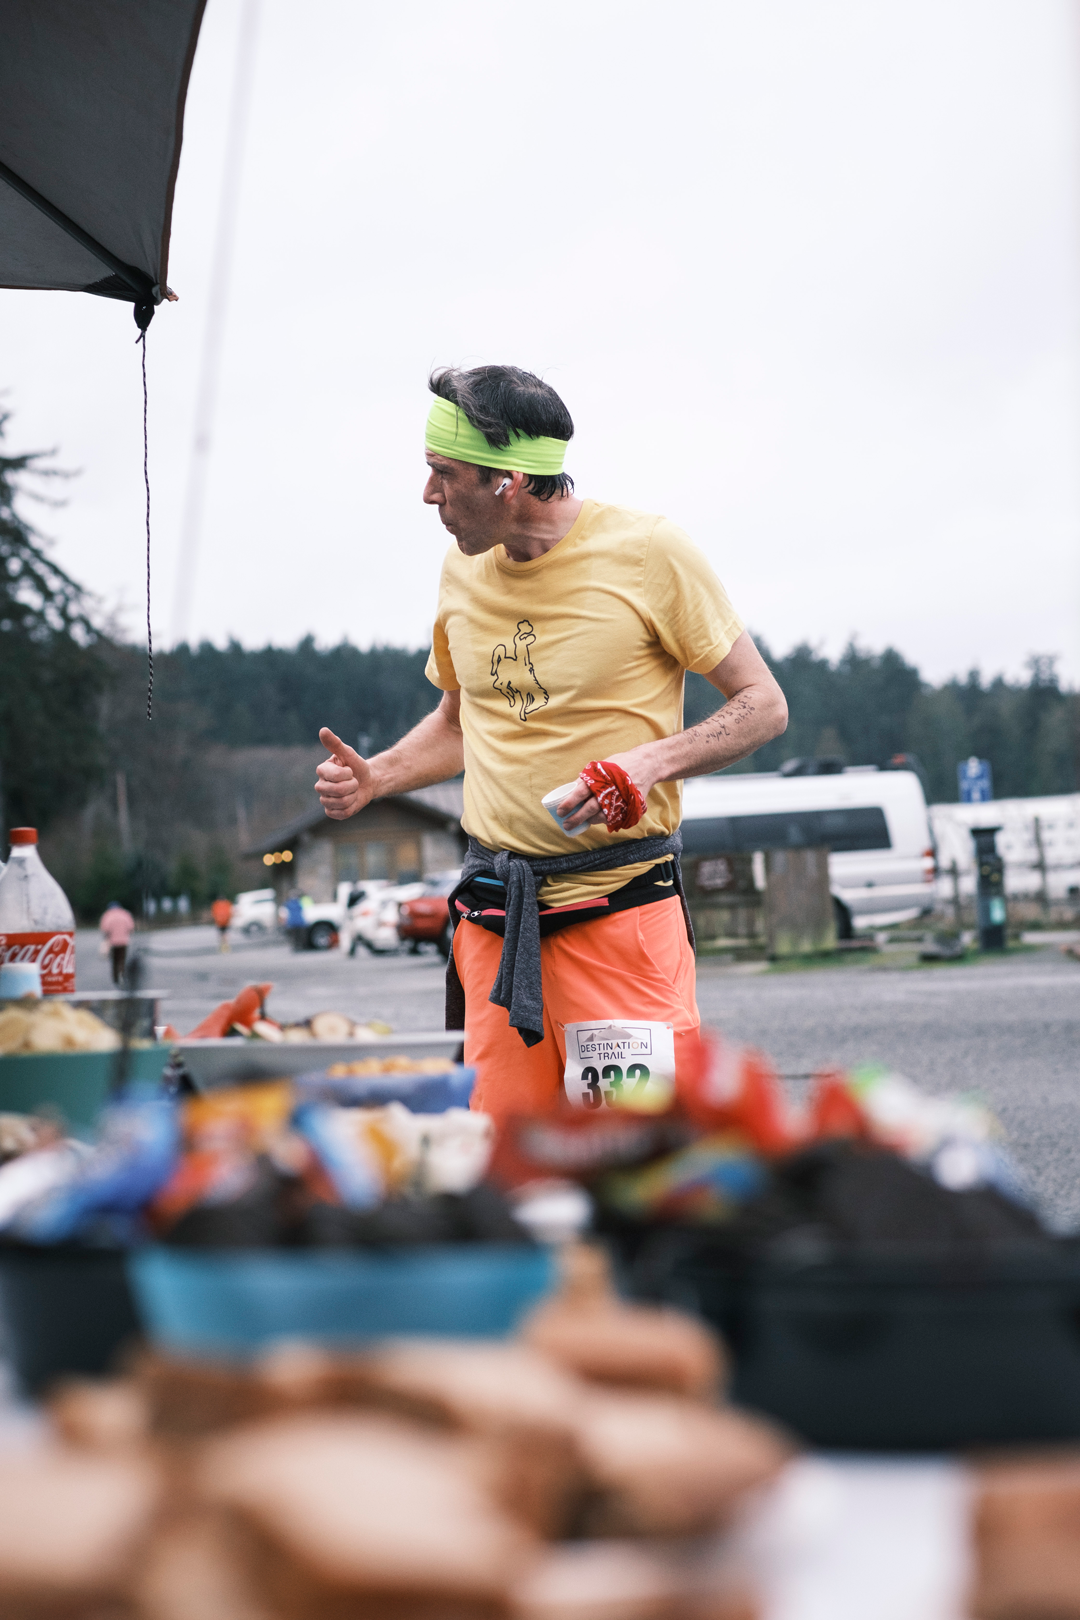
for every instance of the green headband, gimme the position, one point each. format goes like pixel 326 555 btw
pixel 450 433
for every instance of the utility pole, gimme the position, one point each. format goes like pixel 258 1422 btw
pixel 122 815
pixel 1040 864
pixel 954 873
pixel 242 838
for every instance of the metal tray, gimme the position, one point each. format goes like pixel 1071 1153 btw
pixel 108 1005
pixel 224 1062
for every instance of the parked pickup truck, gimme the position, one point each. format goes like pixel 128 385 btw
pixel 331 922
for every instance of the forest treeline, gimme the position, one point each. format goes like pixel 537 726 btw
pixel 232 748
pixel 167 807
pixel 863 706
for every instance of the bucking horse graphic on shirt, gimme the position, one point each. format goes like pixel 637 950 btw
pixel 513 675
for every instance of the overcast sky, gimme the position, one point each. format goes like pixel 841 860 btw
pixel 806 272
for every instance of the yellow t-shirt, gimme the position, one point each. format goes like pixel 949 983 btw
pixel 574 656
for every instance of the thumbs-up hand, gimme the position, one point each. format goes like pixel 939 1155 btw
pixel 346 781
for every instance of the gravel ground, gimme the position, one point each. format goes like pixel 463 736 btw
pixel 1009 1028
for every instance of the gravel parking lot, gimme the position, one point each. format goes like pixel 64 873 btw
pixel 1008 1028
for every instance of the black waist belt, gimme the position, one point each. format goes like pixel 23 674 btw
pixel 483 901
pixel 513 879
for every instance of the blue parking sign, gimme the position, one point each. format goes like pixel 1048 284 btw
pixel 976 781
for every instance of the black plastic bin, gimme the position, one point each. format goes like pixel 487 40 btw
pixel 890 1348
pixel 64 1311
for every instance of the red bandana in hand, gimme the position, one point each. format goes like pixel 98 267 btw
pixel 620 801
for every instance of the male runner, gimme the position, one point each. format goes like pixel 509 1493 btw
pixel 563 631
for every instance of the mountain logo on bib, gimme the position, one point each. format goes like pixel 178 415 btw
pixel 513 675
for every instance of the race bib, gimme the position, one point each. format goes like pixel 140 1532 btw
pixel 620 1064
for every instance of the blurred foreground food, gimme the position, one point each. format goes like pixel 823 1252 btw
pixel 1027 1537
pixel 421 1480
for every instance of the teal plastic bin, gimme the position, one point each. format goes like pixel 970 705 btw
pixel 76 1084
pixel 233 1302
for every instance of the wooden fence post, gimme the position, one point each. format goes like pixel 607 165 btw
pixel 799 915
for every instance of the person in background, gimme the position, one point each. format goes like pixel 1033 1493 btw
pixel 117 927
pixel 221 911
pixel 294 920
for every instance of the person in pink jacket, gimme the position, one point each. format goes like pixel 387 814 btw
pixel 117 925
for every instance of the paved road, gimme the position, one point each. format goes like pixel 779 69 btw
pixel 1010 1028
pixel 405 991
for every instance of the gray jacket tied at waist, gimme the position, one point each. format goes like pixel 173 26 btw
pixel 518 985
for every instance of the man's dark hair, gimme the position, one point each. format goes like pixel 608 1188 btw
pixel 500 400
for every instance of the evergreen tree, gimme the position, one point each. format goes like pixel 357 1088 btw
pixel 51 671
pixel 869 706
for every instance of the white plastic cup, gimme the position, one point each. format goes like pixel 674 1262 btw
pixel 556 797
pixel 18 979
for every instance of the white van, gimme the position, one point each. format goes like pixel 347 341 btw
pixel 875 823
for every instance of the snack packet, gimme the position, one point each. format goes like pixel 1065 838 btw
pixel 573 1146
pixel 134 1156
pixel 705 1182
pixel 28 1178
pixel 834 1110
pixel 355 1155
pixel 244 1010
pixel 423 1085
pixel 735 1087
pixel 225 1133
pixel 374 1153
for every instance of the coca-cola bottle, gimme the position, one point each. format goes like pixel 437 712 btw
pixel 36 922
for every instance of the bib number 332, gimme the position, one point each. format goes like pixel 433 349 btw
pixel 620 1064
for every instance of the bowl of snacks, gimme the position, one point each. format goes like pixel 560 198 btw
pixel 66 1060
pixel 291 1214
pixel 224 1060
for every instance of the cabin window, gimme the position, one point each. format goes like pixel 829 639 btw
pixel 376 859
pixel 346 863
pixel 407 860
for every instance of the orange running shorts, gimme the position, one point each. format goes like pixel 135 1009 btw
pixel 637 964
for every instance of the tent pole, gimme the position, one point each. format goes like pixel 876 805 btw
pixel 143 288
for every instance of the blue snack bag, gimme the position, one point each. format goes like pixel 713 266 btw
pixel 421 1093
pixel 135 1155
pixel 341 1148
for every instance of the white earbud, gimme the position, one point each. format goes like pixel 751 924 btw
pixel 504 485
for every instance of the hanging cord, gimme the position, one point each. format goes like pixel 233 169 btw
pixel 146 480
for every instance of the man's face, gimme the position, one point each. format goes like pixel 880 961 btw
pixel 469 509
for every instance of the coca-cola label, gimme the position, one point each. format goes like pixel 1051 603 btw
pixel 54 954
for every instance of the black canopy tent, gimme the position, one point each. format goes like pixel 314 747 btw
pixel 92 99
pixel 91 117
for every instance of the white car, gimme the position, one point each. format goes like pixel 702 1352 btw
pixel 373 920
pixel 881 865
pixel 255 912
pixel 330 922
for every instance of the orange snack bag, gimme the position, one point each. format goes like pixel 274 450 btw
pixel 223 1130
pixel 244 1010
pixel 832 1111
pixel 735 1087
